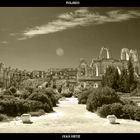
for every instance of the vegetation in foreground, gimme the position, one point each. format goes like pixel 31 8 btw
pixel 31 100
pixel 104 101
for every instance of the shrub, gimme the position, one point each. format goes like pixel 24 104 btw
pixel 68 94
pixel 83 101
pixel 47 108
pixel 101 96
pixel 44 99
pixel 54 96
pixel 76 93
pixel 129 111
pixel 39 97
pixel 110 109
pixel 135 92
pixel 32 105
pixel 3 117
pixel 9 106
pixel 125 101
pixel 3 96
pixel 82 98
pixel 137 114
pixel 14 107
pixel 25 94
pixel 7 92
pixel 104 110
pixel 30 89
pixel 13 90
pixel 126 111
pixel 116 109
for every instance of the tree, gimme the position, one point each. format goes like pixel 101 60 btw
pixel 111 78
pixel 131 78
pixel 116 82
pixel 123 83
pixel 1 84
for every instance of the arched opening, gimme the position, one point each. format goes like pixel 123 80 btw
pixel 95 85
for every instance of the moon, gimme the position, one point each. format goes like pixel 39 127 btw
pixel 59 52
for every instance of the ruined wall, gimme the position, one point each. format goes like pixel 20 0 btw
pixel 102 55
pixel 98 66
pixel 126 54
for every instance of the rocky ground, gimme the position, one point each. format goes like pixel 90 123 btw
pixel 70 117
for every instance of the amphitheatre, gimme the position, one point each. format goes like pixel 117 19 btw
pixel 67 114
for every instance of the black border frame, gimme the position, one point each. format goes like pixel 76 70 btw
pixel 62 3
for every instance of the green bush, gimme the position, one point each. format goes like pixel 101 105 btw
pixel 101 96
pixel 14 107
pixel 7 92
pixel 54 96
pixel 9 106
pixel 3 117
pixel 25 94
pixel 30 89
pixel 43 98
pixel 76 93
pixel 82 98
pixel 29 101
pixel 13 90
pixel 120 111
pixel 3 96
pixel 83 101
pixel 135 92
pixel 116 109
pixel 39 97
pixel 129 111
pixel 110 109
pixel 104 110
pixel 125 101
pixel 68 95
pixel 137 114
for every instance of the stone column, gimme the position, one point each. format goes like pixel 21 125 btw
pixel 127 56
pixel 119 71
pixel 107 53
pixel 97 71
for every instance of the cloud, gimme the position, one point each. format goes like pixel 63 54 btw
pixel 12 34
pixel 22 38
pixel 80 17
pixel 3 42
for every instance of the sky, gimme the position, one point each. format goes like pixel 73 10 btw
pixel 39 38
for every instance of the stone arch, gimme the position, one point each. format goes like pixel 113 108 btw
pixel 134 55
pixel 125 54
pixel 83 62
pixel 107 53
pixel 95 85
pixel 82 70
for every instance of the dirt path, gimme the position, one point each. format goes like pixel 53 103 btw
pixel 70 117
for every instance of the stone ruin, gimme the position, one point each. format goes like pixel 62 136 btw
pixel 101 53
pixel 126 54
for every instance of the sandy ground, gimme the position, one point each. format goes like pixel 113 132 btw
pixel 70 117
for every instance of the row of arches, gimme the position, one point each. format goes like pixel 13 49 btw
pixel 126 54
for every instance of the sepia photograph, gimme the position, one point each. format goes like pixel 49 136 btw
pixel 70 70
